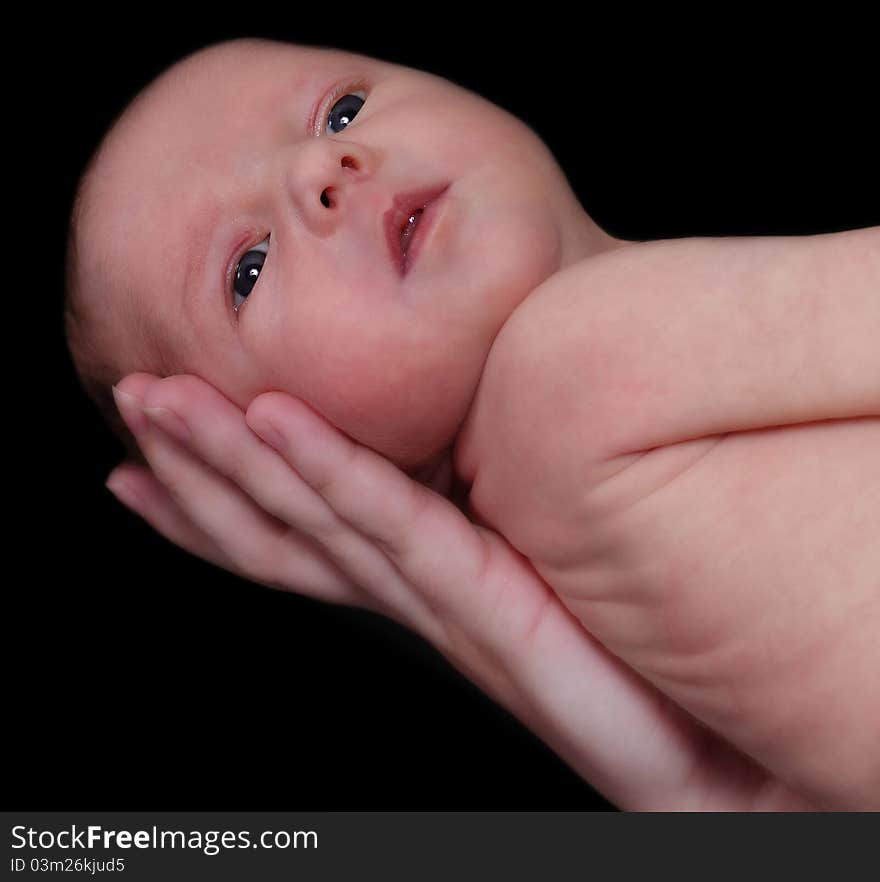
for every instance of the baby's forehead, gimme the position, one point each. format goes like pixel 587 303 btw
pixel 233 55
pixel 210 89
pixel 215 85
pixel 250 60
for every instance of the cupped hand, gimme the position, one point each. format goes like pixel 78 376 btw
pixel 279 496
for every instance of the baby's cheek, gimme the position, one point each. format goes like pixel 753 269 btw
pixel 232 371
pixel 407 416
pixel 401 406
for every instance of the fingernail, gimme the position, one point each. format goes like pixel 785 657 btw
pixel 129 408
pixel 169 422
pixel 121 489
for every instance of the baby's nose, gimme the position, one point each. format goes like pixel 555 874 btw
pixel 322 178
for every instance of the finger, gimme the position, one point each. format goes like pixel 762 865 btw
pixel 547 653
pixel 257 545
pixel 519 643
pixel 432 544
pixel 136 487
pixel 214 430
pixel 134 388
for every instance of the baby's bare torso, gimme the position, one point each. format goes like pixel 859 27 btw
pixel 738 567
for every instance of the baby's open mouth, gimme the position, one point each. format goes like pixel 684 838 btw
pixel 408 229
pixel 405 226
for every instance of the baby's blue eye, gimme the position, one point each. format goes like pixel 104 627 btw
pixel 344 111
pixel 247 272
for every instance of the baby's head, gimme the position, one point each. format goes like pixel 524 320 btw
pixel 241 221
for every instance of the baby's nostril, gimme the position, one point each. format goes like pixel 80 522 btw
pixel 326 199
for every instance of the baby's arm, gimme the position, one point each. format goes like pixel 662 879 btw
pixel 660 343
pixel 689 338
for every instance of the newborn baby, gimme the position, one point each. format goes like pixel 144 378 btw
pixel 354 232
pixel 409 259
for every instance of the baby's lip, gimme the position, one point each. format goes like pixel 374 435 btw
pixel 402 208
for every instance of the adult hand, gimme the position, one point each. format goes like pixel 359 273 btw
pixel 281 497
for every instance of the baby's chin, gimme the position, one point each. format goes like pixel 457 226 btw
pixel 413 456
pixel 413 431
pixel 437 474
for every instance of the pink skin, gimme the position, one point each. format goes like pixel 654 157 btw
pixel 221 152
pixel 354 530
pixel 382 542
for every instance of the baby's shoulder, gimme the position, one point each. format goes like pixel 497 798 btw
pixel 529 363
pixel 562 306
pixel 546 333
pixel 526 423
pixel 498 408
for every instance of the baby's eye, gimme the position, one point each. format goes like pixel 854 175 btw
pixel 344 111
pixel 247 272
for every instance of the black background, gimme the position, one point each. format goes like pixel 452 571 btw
pixel 139 677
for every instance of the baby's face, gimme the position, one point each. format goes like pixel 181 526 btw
pixel 250 204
